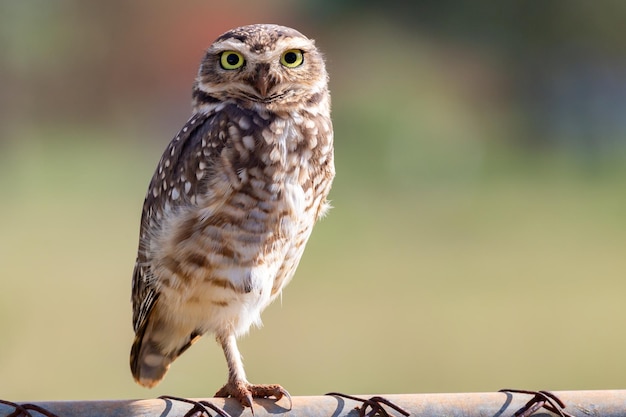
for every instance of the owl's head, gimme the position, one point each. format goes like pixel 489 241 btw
pixel 261 66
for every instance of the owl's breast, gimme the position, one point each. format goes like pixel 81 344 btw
pixel 223 260
pixel 239 241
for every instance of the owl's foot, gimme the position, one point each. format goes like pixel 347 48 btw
pixel 245 391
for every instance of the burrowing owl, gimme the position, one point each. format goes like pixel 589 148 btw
pixel 233 201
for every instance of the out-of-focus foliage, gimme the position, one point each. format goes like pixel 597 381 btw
pixel 478 235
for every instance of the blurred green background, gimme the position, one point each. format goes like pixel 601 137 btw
pixel 478 236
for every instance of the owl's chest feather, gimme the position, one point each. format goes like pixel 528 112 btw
pixel 245 234
pixel 286 164
pixel 273 186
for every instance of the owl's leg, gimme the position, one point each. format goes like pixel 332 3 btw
pixel 238 386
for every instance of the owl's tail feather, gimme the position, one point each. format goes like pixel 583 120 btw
pixel 150 356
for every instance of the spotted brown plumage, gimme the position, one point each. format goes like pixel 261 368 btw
pixel 233 201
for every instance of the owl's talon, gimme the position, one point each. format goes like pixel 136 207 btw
pixel 284 393
pixel 247 402
pixel 238 391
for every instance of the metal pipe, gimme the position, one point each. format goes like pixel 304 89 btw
pixel 606 403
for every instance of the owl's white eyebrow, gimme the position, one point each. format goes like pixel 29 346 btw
pixel 230 44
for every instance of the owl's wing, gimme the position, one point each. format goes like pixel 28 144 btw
pixel 179 177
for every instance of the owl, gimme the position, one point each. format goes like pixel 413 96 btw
pixel 233 201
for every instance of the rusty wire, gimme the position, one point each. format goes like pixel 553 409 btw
pixel 541 399
pixel 198 406
pixel 375 403
pixel 606 403
pixel 24 410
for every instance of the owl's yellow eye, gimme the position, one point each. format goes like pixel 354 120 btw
pixel 231 60
pixel 292 58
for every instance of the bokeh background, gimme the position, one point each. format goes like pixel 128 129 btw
pixel 478 236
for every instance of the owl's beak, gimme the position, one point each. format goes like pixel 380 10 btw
pixel 263 82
